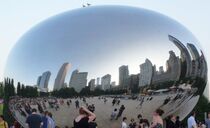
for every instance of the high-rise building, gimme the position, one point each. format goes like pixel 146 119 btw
pixel 106 82
pixel 172 73
pixel 98 81
pixel 59 80
pixel 92 84
pixel 45 79
pixel 146 71
pixel 185 57
pixel 78 80
pixel 38 81
pixel 123 76
pixel 195 62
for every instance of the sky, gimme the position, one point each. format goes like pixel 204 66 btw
pixel 18 17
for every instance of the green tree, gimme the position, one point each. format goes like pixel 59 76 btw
pixel 18 89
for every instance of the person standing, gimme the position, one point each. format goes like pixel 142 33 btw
pixel 191 123
pixel 3 123
pixel 207 120
pixel 34 120
pixel 45 120
pixel 157 121
pixel 124 124
pixel 51 122
pixel 171 122
pixel 85 116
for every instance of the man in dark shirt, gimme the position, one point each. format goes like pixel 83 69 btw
pixel 34 120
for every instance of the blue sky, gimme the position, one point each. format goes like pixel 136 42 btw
pixel 18 17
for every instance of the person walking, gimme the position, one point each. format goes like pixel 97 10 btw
pixel 122 108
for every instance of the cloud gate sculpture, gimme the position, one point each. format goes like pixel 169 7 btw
pixel 111 48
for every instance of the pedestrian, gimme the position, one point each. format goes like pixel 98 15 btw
pixel 51 122
pixel 85 116
pixel 132 124
pixel 157 121
pixel 34 120
pixel 122 108
pixel 171 122
pixel 191 123
pixel 114 114
pixel 124 124
pixel 3 123
pixel 45 120
pixel 207 121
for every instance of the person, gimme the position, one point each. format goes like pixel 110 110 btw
pixel 122 108
pixel 51 122
pixel 77 104
pixel 178 122
pixel 85 116
pixel 45 120
pixel 3 123
pixel 157 121
pixel 132 124
pixel 139 116
pixel 16 124
pixel 124 125
pixel 171 122
pixel 114 114
pixel 34 120
pixel 191 123
pixel 207 121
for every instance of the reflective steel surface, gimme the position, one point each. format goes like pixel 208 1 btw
pixel 165 62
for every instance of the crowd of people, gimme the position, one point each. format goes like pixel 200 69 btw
pixel 36 112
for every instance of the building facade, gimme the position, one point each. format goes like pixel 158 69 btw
pixel 146 71
pixel 123 76
pixel 78 80
pixel 106 82
pixel 59 80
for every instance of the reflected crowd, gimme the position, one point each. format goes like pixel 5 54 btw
pixel 37 112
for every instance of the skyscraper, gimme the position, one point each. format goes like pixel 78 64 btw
pixel 106 82
pixel 45 79
pixel 78 80
pixel 38 81
pixel 92 84
pixel 195 62
pixel 59 80
pixel 146 70
pixel 123 76
pixel 185 57
pixel 98 81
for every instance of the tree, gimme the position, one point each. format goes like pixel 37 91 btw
pixel 18 89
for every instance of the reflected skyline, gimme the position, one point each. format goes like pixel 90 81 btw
pixel 44 47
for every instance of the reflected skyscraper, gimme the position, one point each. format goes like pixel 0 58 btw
pixel 92 84
pixel 106 82
pixel 123 76
pixel 59 80
pixel 185 57
pixel 172 73
pixel 43 86
pixel 78 80
pixel 38 81
pixel 146 71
